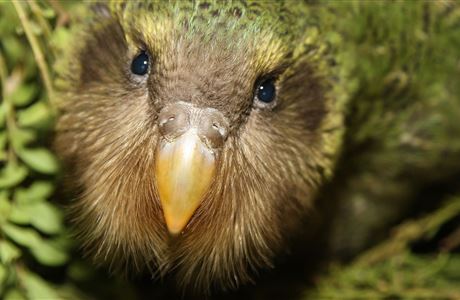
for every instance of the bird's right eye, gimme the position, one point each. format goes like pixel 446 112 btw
pixel 140 64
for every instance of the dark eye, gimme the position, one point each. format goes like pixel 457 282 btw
pixel 140 64
pixel 266 91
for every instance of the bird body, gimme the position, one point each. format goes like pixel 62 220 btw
pixel 272 107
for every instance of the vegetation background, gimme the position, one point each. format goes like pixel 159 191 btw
pixel 39 258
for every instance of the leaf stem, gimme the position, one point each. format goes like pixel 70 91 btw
pixel 39 57
pixel 39 15
pixel 9 84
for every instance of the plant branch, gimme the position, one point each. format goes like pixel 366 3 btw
pixel 409 232
pixel 9 84
pixel 39 15
pixel 39 57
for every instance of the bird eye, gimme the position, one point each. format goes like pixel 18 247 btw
pixel 140 64
pixel 266 91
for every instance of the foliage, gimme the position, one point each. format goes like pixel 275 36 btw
pixel 32 227
pixel 393 270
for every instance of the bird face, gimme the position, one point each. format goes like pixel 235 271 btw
pixel 194 146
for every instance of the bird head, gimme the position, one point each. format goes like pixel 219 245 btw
pixel 196 134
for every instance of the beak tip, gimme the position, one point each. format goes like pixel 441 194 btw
pixel 175 227
pixel 173 232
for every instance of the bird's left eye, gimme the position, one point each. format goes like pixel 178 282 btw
pixel 140 64
pixel 266 91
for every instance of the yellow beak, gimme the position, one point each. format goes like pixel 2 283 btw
pixel 184 171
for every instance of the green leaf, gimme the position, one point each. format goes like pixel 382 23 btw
pixel 61 38
pixel 14 294
pixel 39 159
pixel 63 240
pixel 21 137
pixel 4 195
pixel 2 114
pixel 24 94
pixel 31 208
pixel 45 217
pixel 8 252
pixel 3 140
pixel 35 27
pixel 37 192
pixel 36 287
pixel 19 215
pixel 3 277
pixel 35 115
pixel 43 250
pixel 47 254
pixel 12 175
pixel 79 271
pixel 5 206
pixel 23 236
pixel 8 19
pixel 48 13
pixel 13 48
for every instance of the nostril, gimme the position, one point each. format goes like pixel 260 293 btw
pixel 165 120
pixel 220 129
pixel 174 120
pixel 213 129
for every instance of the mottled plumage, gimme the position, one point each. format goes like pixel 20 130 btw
pixel 365 92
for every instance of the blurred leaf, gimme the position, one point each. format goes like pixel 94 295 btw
pixel 48 13
pixel 35 115
pixel 21 137
pixel 41 249
pixel 4 195
pixel 2 140
pixel 36 287
pixel 2 115
pixel 61 38
pixel 3 151
pixel 38 191
pixel 36 29
pixel 14 294
pixel 23 236
pixel 63 240
pixel 45 217
pixel 12 175
pixel 24 94
pixel 39 159
pixel 80 271
pixel 451 269
pixel 8 19
pixel 47 254
pixel 5 206
pixel 19 215
pixel 14 49
pixel 8 252
pixel 3 275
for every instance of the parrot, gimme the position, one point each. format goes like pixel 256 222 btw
pixel 200 138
